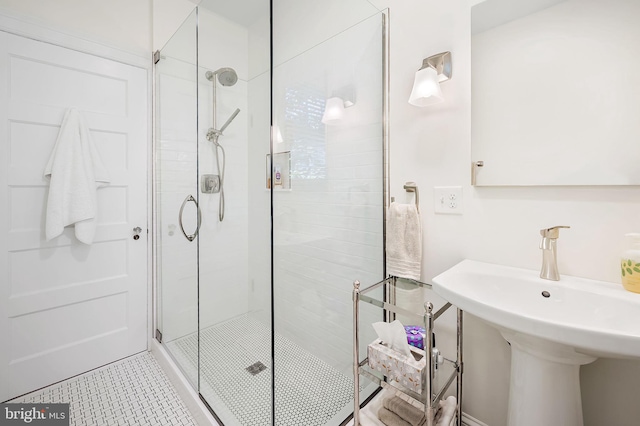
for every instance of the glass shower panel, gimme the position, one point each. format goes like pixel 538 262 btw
pixel 234 241
pixel 328 208
pixel 176 151
pixel 293 189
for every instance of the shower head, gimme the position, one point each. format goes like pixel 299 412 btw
pixel 226 76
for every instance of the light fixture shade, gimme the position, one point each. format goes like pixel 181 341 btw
pixel 333 111
pixel 276 134
pixel 426 88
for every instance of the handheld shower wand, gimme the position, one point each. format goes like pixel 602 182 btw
pixel 213 131
pixel 226 77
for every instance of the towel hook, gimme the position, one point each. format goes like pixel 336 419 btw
pixel 412 187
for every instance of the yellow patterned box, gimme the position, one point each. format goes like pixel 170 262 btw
pixel 410 372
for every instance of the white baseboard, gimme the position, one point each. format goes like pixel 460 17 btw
pixel 470 421
pixel 189 396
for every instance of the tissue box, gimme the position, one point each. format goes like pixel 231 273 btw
pixel 415 335
pixel 410 372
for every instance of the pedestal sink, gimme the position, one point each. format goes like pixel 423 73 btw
pixel 553 328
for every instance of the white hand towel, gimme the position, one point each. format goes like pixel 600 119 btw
pixel 448 411
pixel 76 171
pixel 404 241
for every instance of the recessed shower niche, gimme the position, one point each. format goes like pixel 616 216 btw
pixel 280 170
pixel 253 296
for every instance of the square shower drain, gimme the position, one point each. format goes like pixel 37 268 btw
pixel 256 368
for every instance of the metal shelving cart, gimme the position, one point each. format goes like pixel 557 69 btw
pixel 434 386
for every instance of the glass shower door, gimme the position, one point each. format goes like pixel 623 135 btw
pixel 176 195
pixel 234 241
pixel 212 219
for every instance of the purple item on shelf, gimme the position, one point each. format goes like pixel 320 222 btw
pixel 415 335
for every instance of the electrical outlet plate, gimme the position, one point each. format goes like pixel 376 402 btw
pixel 447 199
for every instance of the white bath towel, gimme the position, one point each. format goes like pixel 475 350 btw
pixel 404 241
pixel 75 171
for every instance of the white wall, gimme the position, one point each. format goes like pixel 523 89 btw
pixel 431 146
pixel 124 24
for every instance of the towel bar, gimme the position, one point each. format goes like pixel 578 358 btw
pixel 412 187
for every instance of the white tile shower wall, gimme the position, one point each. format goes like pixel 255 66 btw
pixel 328 228
pixel 259 197
pixel 223 252
pixel 222 43
pixel 223 249
pixel 259 112
pixel 260 51
pixel 431 146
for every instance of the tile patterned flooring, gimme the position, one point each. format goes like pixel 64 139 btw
pixel 133 391
pixel 309 392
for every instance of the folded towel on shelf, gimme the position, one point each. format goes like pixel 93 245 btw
pixel 391 419
pixel 407 412
pixel 404 241
pixel 447 412
pixel 370 413
pixel 75 170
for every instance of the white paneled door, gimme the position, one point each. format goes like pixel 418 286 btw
pixel 67 307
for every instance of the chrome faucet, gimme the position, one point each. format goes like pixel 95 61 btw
pixel 548 246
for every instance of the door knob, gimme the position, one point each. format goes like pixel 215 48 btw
pixel 136 232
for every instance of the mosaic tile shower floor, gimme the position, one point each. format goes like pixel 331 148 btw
pixel 309 392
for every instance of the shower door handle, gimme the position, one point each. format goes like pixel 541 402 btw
pixel 193 236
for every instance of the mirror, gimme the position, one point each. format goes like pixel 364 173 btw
pixel 556 92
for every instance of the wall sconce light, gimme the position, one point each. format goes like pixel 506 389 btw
pixel 426 86
pixel 334 110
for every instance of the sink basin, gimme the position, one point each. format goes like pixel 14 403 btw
pixel 594 317
pixel 553 328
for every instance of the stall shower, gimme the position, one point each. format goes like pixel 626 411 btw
pixel 286 211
